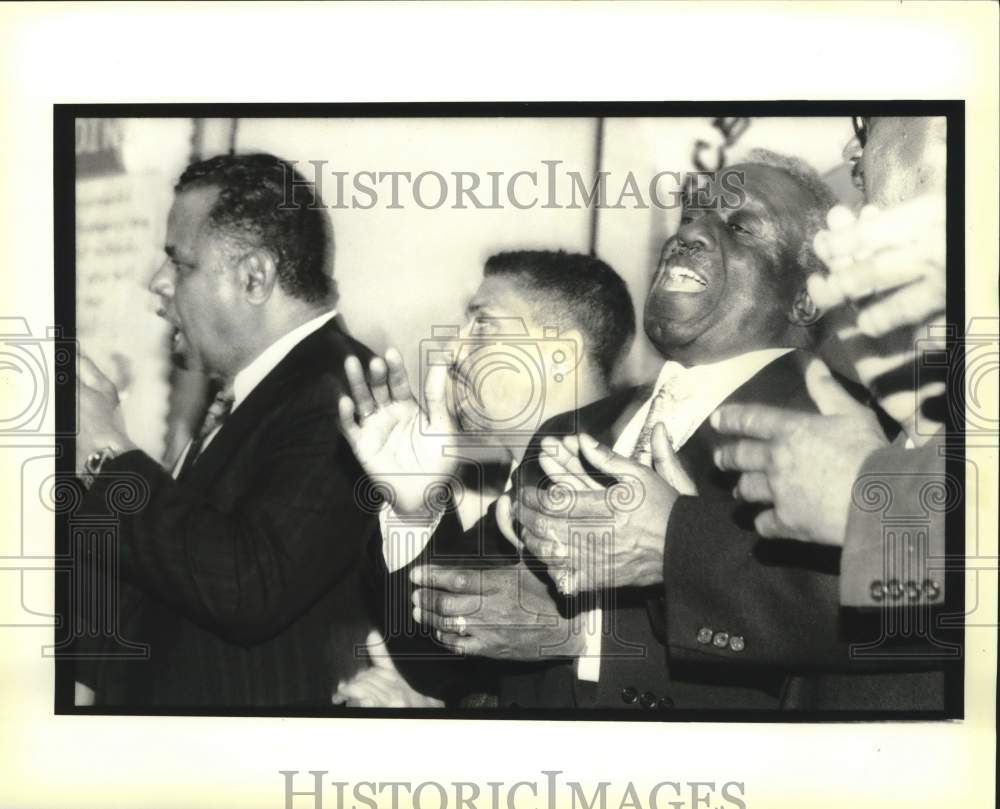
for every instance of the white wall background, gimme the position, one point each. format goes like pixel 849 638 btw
pixel 402 271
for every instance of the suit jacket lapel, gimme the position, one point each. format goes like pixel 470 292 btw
pixel 605 420
pixel 306 356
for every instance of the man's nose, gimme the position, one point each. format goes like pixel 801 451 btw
pixel 852 151
pixel 162 282
pixel 697 233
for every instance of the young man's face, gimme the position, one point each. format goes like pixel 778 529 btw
pixel 197 286
pixel 511 374
pixel 726 281
pixel 902 158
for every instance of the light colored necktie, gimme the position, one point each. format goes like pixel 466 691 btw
pixel 217 413
pixel 671 391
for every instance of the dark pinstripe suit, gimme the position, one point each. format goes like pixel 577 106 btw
pixel 245 576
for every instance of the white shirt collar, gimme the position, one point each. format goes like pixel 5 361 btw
pixel 248 379
pixel 695 392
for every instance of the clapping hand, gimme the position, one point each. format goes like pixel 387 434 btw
pixel 591 536
pixel 802 466
pixel 889 267
pixel 889 263
pixel 100 418
pixel 398 443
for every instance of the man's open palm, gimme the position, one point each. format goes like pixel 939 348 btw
pixel 399 444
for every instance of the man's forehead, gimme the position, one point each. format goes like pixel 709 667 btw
pixel 761 182
pixel 774 188
pixel 503 296
pixel 498 291
pixel 189 212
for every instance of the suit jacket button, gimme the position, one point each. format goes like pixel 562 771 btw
pixel 737 644
pixel 665 703
pixel 721 639
pixel 629 695
pixel 877 590
pixel 648 699
pixel 704 635
pixel 894 589
pixel 931 589
pixel 912 590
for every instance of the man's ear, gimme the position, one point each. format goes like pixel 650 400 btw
pixel 258 272
pixel 571 362
pixel 804 312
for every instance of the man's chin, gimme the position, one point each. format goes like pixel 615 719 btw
pixel 676 318
pixel 183 356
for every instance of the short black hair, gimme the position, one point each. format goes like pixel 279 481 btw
pixel 577 290
pixel 253 206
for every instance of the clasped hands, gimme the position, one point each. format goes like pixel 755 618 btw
pixel 591 536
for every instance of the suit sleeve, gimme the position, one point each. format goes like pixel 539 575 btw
pixel 426 665
pixel 735 598
pixel 895 544
pixel 248 569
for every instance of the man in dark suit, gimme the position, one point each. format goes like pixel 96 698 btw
pixel 692 609
pixel 885 507
pixel 889 265
pixel 240 566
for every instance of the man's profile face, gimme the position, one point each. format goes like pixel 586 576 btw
pixel 727 279
pixel 197 285
pixel 902 158
pixel 505 379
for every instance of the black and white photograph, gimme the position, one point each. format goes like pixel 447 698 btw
pixel 484 405
pixel 512 413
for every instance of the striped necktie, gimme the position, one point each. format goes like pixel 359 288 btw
pixel 216 415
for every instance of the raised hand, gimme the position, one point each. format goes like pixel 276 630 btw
pixel 381 686
pixel 398 443
pixel 801 465
pixel 889 267
pixel 593 537
pixel 101 422
pixel 891 263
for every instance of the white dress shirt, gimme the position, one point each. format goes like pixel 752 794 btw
pixel 253 374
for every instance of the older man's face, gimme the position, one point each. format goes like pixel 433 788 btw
pixel 726 282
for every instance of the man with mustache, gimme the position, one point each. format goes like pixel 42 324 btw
pixel 241 564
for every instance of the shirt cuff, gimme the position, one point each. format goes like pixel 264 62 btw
pixel 588 664
pixel 404 540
